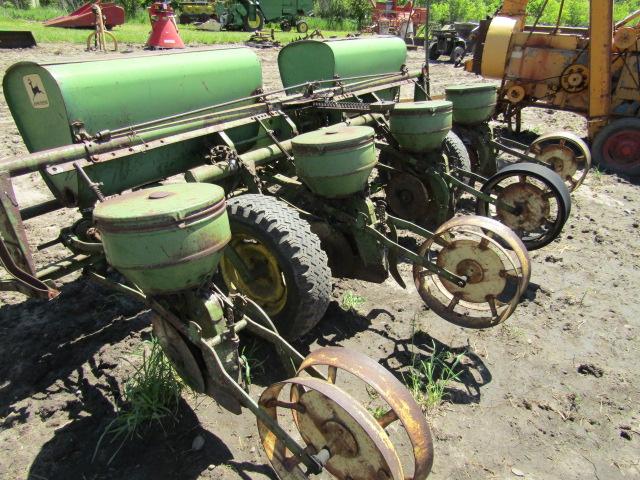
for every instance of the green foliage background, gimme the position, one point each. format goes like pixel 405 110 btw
pixel 575 12
pixel 352 14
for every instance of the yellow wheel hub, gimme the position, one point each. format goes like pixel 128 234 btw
pixel 264 282
pixel 253 23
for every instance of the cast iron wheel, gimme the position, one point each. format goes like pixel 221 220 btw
pixel 302 27
pixel 566 154
pixel 433 52
pixel 253 25
pixel 289 273
pixel 457 55
pixel 540 197
pixel 285 26
pixel 617 146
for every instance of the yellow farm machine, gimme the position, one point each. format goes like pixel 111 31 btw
pixel 594 72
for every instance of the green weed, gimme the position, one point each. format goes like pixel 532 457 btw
pixel 150 395
pixel 428 379
pixel 377 412
pixel 249 356
pixel 351 301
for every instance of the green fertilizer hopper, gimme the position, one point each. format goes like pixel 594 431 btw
pixel 341 60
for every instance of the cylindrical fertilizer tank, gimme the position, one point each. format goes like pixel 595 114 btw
pixel 335 162
pixel 165 239
pixel 313 60
pixel 421 126
pixel 474 103
pixel 46 99
pixel 52 102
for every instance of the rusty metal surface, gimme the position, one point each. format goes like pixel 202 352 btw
pixel 177 350
pixel 487 233
pixel 358 446
pixel 566 153
pixel 391 390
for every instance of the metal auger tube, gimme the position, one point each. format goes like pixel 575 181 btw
pixel 261 156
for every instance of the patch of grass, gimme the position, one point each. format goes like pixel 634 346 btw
pixel 249 355
pixel 377 412
pixel 34 14
pixel 150 395
pixel 598 175
pixel 351 301
pixel 134 31
pixel 428 379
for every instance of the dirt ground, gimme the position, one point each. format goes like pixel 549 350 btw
pixel 552 393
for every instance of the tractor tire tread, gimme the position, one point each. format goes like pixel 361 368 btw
pixel 307 260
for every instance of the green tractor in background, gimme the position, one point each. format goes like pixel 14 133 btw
pixel 248 15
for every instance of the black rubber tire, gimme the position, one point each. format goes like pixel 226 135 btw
pixel 433 52
pixel 455 150
pixel 457 55
pixel 551 179
pixel 249 28
pixel 481 153
pixel 301 259
pixel 285 26
pixel 599 156
pixel 302 27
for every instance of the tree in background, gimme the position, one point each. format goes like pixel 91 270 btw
pixel 360 11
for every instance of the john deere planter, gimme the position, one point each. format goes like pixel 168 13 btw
pixel 276 197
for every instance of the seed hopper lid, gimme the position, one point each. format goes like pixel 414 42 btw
pixel 471 88
pixel 333 138
pixel 427 106
pixel 160 206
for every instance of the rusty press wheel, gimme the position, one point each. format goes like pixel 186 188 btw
pixel 494 262
pixel 400 403
pixel 566 154
pixel 540 201
pixel 333 425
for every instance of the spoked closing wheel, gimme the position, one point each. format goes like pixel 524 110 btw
pixel 566 154
pixel 489 256
pixel 333 424
pixel 532 200
pixel 336 427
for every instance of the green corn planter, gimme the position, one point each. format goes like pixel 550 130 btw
pixel 335 162
pixel 421 126
pixel 165 239
pixel 312 60
pixel 472 104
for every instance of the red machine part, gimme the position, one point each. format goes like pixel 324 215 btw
pixel 164 30
pixel 84 17
pixel 391 12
